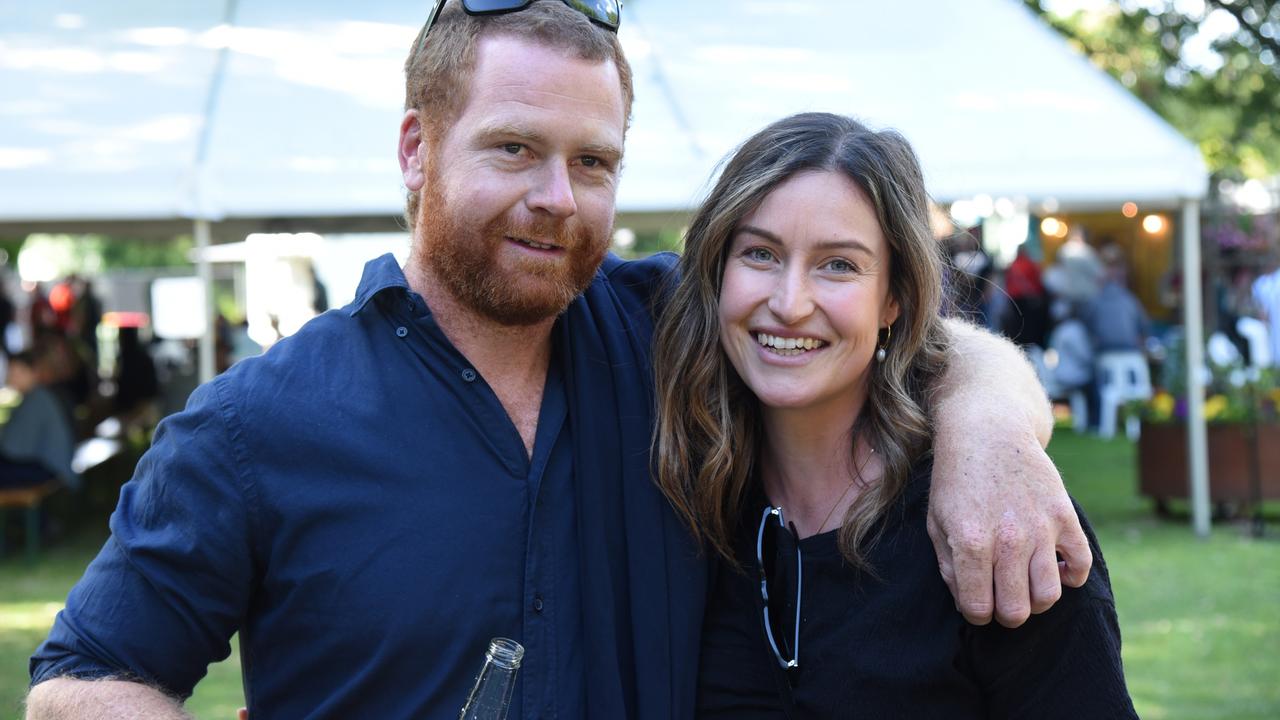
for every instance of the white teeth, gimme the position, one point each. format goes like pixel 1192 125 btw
pixel 538 245
pixel 779 343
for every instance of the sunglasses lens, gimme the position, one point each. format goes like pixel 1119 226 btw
pixel 605 12
pixel 778 557
pixel 493 6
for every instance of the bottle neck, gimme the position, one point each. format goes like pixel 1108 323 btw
pixel 505 653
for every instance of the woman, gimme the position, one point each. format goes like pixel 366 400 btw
pixel 793 437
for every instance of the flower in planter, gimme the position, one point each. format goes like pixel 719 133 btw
pixel 1234 394
pixel 1216 407
pixel 1161 408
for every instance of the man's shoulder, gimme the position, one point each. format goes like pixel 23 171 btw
pixel 638 286
pixel 650 271
pixel 300 367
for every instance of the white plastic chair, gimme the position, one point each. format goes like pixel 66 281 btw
pixel 1254 332
pixel 1221 350
pixel 1122 376
pixel 1079 403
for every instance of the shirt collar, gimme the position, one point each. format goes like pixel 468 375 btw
pixel 381 273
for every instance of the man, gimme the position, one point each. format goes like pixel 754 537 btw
pixel 463 451
pixel 1116 319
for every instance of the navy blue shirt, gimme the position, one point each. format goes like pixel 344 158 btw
pixel 358 505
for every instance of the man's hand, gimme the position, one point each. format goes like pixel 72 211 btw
pixel 998 513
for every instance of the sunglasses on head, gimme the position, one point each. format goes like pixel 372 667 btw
pixel 605 13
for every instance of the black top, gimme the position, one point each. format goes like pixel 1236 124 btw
pixel 895 646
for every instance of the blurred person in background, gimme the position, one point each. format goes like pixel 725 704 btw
pixel 968 277
pixel 1079 269
pixel 1026 319
pixel 38 441
pixel 1068 360
pixel 137 384
pixel 463 450
pixel 86 316
pixel 40 314
pixel 1115 317
pixel 8 313
pixel 62 298
pixel 62 369
pixel 1266 301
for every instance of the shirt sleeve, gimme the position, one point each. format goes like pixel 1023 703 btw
pixel 172 583
pixel 1063 663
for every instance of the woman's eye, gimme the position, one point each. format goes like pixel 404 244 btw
pixel 759 254
pixel 841 266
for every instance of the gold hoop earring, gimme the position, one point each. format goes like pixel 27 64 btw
pixel 880 352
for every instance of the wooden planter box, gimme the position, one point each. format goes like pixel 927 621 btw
pixel 1162 462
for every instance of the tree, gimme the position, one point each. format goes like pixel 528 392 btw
pixel 1211 72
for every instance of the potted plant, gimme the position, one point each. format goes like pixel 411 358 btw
pixel 1242 410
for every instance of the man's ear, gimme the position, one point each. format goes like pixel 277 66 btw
pixel 412 151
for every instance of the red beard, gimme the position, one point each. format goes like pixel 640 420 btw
pixel 531 289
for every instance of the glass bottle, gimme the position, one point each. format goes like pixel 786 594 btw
pixel 491 696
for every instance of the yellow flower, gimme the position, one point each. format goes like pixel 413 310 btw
pixel 1162 406
pixel 1214 407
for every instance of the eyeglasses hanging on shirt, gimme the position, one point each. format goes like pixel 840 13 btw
pixel 776 545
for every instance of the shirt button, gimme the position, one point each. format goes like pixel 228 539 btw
pixel 469 375
pixel 537 603
pixel 402 331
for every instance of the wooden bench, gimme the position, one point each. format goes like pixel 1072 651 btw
pixel 27 499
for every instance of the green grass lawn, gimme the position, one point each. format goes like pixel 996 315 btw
pixel 1201 619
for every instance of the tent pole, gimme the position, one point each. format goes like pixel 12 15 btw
pixel 1193 322
pixel 204 267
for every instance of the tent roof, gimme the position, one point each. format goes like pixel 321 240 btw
pixel 161 112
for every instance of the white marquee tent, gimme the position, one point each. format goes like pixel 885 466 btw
pixel 234 116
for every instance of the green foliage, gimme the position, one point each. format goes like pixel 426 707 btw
pixel 1232 112
pixel 91 254
pixel 131 253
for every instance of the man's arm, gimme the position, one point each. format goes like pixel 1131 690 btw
pixel 166 593
pixel 998 511
pixel 67 698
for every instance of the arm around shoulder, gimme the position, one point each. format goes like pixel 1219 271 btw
pixel 67 698
pixel 990 378
pixel 998 511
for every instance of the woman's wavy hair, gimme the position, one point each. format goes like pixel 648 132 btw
pixel 709 427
